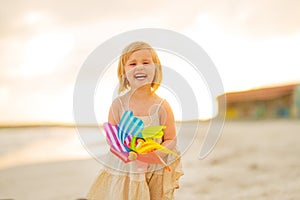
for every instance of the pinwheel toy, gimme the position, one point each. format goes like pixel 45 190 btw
pixel 130 137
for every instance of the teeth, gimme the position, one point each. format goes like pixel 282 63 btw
pixel 140 76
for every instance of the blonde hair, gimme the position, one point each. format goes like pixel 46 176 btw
pixel 126 53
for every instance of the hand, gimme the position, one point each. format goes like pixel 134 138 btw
pixel 132 155
pixel 151 158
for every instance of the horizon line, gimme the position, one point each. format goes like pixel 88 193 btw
pixel 69 124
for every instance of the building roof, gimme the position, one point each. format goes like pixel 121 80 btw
pixel 260 94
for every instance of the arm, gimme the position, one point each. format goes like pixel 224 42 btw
pixel 169 139
pixel 167 119
pixel 114 115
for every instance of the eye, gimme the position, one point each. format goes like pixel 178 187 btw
pixel 146 63
pixel 132 64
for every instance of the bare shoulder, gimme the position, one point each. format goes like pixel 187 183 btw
pixel 165 105
pixel 116 104
pixel 157 99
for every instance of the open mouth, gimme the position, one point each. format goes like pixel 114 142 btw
pixel 140 76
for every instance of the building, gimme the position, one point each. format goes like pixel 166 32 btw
pixel 267 102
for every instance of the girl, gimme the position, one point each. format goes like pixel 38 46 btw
pixel 140 74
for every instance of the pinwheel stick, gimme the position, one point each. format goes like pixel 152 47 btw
pixel 163 162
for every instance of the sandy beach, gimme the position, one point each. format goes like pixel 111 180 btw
pixel 252 160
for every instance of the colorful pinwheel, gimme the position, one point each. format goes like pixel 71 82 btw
pixel 129 138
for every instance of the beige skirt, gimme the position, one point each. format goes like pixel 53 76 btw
pixel 157 184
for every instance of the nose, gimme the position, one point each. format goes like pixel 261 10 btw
pixel 140 66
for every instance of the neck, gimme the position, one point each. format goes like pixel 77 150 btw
pixel 141 93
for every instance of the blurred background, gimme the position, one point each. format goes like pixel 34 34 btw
pixel 254 45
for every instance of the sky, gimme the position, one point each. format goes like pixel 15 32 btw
pixel 44 44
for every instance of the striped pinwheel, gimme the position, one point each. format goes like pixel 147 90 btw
pixel 130 137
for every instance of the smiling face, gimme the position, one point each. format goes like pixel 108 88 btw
pixel 140 68
pixel 139 64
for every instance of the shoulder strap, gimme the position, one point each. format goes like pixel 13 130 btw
pixel 159 105
pixel 121 104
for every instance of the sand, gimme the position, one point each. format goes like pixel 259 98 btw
pixel 252 160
